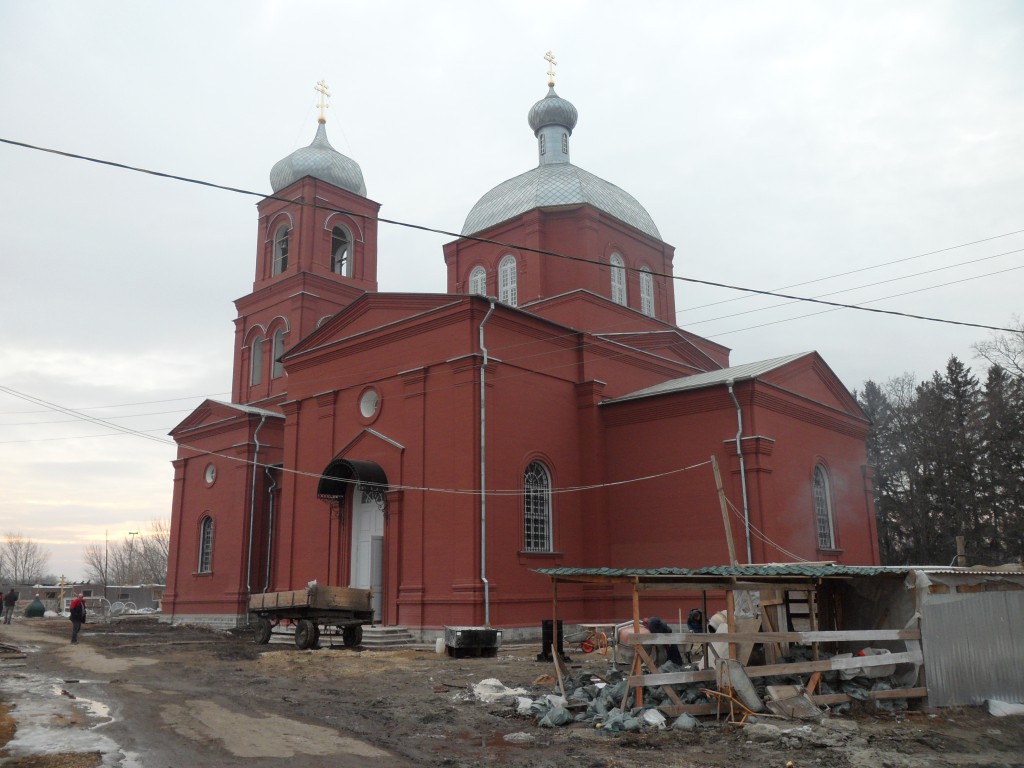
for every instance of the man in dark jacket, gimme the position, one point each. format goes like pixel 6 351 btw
pixel 10 600
pixel 656 624
pixel 77 616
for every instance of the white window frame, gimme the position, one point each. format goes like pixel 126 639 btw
pixel 508 291
pixel 537 508
pixel 278 350
pixel 619 295
pixel 256 361
pixel 646 292
pixel 478 281
pixel 345 267
pixel 824 522
pixel 280 250
pixel 205 545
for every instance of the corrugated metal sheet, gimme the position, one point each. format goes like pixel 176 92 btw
pixel 974 649
pixel 781 570
pixel 809 570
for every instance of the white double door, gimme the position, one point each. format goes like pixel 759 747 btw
pixel 368 545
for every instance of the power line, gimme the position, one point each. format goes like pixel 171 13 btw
pixel 447 233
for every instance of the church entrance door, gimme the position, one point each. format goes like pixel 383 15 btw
pixel 368 545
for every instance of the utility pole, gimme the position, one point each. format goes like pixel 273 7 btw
pixel 131 556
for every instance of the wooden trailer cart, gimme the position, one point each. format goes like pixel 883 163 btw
pixel 338 610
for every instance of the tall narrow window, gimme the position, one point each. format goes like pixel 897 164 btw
pixel 507 291
pixel 278 370
pixel 537 508
pixel 646 292
pixel 618 279
pixel 281 249
pixel 565 143
pixel 256 362
pixel 543 147
pixel 823 509
pixel 478 281
pixel 341 252
pixel 206 545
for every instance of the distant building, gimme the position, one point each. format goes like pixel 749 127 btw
pixel 546 410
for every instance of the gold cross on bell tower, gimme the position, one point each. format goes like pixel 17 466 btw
pixel 325 93
pixel 549 57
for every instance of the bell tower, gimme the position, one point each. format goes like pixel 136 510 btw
pixel 316 253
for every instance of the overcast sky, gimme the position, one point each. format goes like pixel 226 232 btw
pixel 772 143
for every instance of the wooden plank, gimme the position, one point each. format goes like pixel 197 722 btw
pixel 797 668
pixel 896 693
pixel 836 636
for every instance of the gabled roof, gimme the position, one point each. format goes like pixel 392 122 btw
pixel 714 378
pixel 211 412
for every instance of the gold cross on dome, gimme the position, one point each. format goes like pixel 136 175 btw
pixel 325 93
pixel 549 57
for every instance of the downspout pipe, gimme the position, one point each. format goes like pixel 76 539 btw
pixel 270 525
pixel 743 469
pixel 483 472
pixel 252 504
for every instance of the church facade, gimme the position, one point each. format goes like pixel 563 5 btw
pixel 546 410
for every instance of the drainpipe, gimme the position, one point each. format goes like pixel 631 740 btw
pixel 743 469
pixel 483 474
pixel 252 504
pixel 270 525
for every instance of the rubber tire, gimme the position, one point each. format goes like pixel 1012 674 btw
pixel 307 634
pixel 587 646
pixel 352 635
pixel 261 628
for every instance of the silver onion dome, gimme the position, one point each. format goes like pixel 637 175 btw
pixel 321 161
pixel 555 181
pixel 553 110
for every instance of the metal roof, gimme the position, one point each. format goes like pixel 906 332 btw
pixel 321 161
pixel 770 570
pixel 554 185
pixel 713 378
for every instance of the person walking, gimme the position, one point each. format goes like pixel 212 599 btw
pixel 10 600
pixel 77 616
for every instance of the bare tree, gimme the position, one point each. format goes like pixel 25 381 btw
pixel 136 560
pixel 1005 349
pixel 22 561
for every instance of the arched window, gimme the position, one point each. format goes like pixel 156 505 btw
pixel 507 293
pixel 206 545
pixel 256 362
pixel 537 508
pixel 478 281
pixel 281 249
pixel 341 252
pixel 565 143
pixel 543 147
pixel 618 279
pixel 646 292
pixel 278 370
pixel 823 509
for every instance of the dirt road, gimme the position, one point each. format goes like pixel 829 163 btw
pixel 142 693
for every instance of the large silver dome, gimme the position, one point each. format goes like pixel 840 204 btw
pixel 555 181
pixel 551 185
pixel 321 161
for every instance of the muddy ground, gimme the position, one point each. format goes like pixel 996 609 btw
pixel 142 693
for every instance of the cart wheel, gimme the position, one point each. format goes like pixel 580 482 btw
pixel 307 634
pixel 352 635
pixel 261 630
pixel 587 647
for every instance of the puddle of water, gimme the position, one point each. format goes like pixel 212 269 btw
pixel 96 710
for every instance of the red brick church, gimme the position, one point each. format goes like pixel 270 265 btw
pixel 544 411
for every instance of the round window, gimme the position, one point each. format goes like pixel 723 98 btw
pixel 369 403
pixel 210 474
